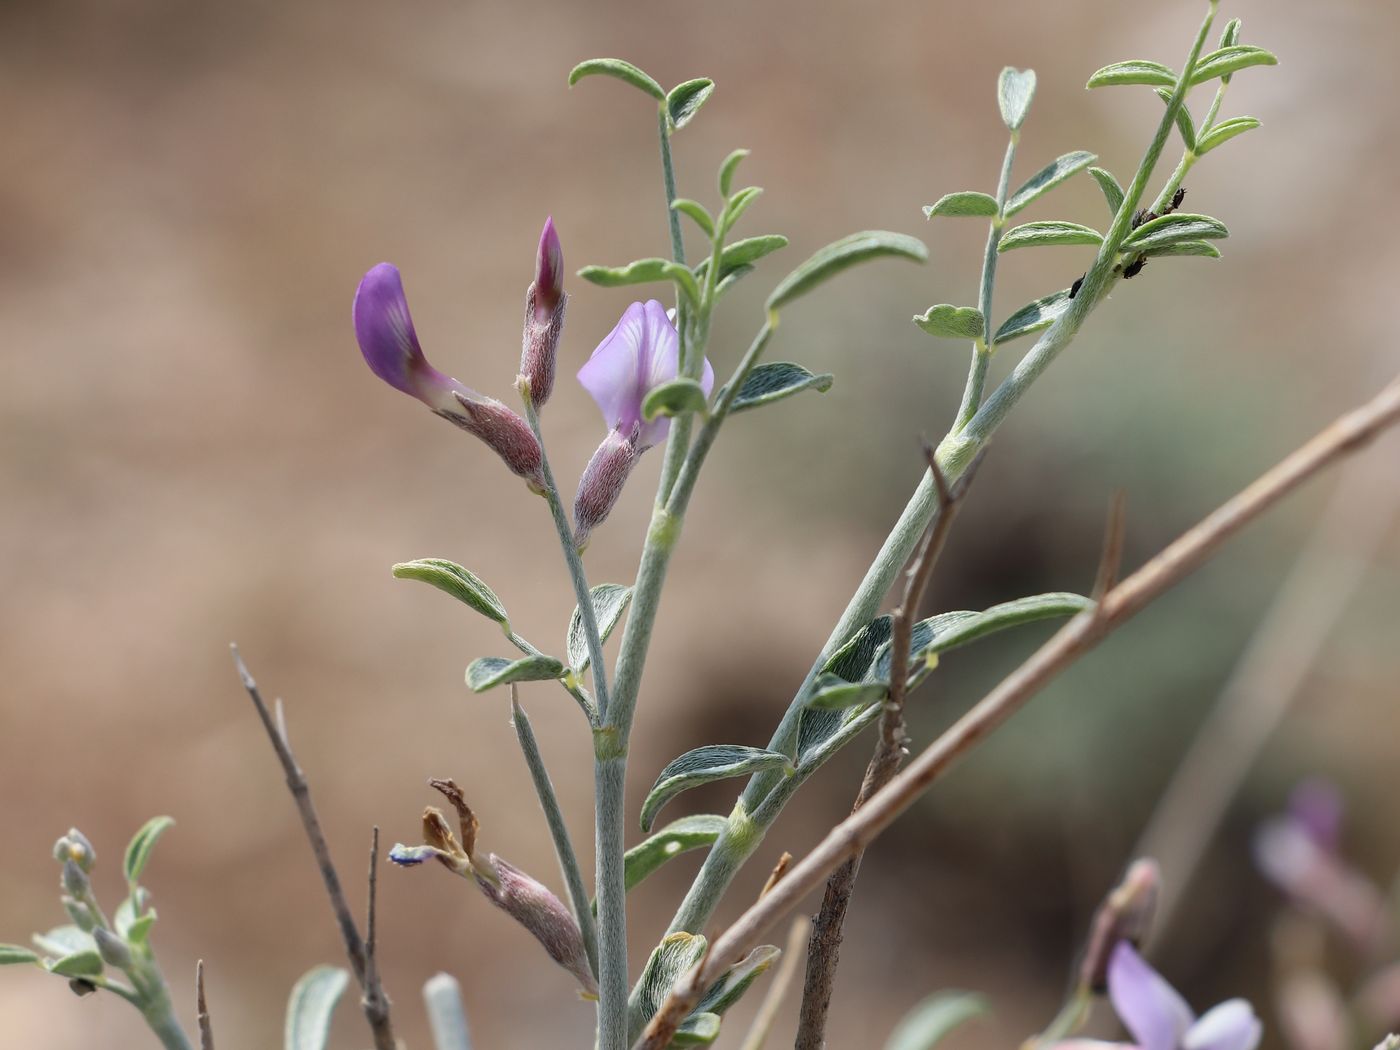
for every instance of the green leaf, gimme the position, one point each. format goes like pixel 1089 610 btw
pixel 80 964
pixel 698 1029
pixel 821 733
pixel 840 255
pixel 777 380
pixel 730 279
pixel 1048 177
pixel 1038 234
pixel 14 955
pixel 675 838
pixel 460 583
pixel 642 271
pixel 1231 35
pixel 624 71
pixel 697 213
pixel 730 988
pixel 670 960
pixel 726 170
pixel 1112 192
pixel 938 634
pixel 1224 132
pixel 739 203
pixel 925 1026
pixel 966 202
pixel 138 850
pixel 1168 229
pixel 609 601
pixel 830 693
pixel 64 940
pixel 491 671
pixel 1034 316
pixel 1015 89
pixel 1232 59
pixel 952 322
pixel 684 280
pixel 140 931
pixel 1184 123
pixel 1153 74
pixel 685 100
pixel 1204 248
pixel 309 1009
pixel 705 765
pixel 742 253
pixel 674 398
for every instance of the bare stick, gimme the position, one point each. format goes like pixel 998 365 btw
pixel 777 991
pixel 376 1004
pixel 201 1008
pixel 1081 634
pixel 824 948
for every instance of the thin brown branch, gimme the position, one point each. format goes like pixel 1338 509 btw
pixel 1345 435
pixel 301 794
pixel 824 947
pixel 1111 557
pixel 779 870
pixel 201 1008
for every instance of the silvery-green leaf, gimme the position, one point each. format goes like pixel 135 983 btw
pixel 616 67
pixel 730 988
pixel 1224 132
pixel 684 279
pixel 140 930
pixel 447 1017
pixel 946 631
pixel 1232 59
pixel 965 203
pixel 925 1026
pixel 730 279
pixel 674 398
pixel 79 964
pixel 685 100
pixel 460 583
pixel 309 1008
pixel 609 602
pixel 726 171
pixel 776 380
pixel 1184 124
pixel 1169 229
pixel 1037 234
pixel 1032 317
pixel 840 255
pixel 14 955
pixel 823 741
pixel 138 850
pixel 705 765
pixel 743 253
pixel 1015 89
pixel 830 693
pixel 1048 177
pixel 670 960
pixel 952 322
pixel 1153 74
pixel 675 838
pixel 697 213
pixel 641 271
pixel 739 203
pixel 491 671
pixel 64 940
pixel 1112 192
pixel 698 1029
pixel 1231 35
pixel 1201 248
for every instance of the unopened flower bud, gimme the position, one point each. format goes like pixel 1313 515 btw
pixel 1124 915
pixel 81 914
pixel 74 846
pixel 75 880
pixel 529 903
pixel 602 481
pixel 544 317
pixel 113 949
pixel 505 431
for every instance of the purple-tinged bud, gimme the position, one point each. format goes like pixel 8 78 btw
pixel 549 271
pixel 505 430
pixel 1124 915
pixel 602 482
pixel 543 914
pixel 544 317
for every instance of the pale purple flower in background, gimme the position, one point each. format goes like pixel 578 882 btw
pixel 545 301
pixel 384 329
pixel 1158 1018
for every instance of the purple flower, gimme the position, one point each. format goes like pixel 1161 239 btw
pixel 544 316
pixel 384 329
pixel 1158 1018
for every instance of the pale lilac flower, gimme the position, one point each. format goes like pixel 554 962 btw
pixel 1158 1018
pixel 544 316
pixel 384 329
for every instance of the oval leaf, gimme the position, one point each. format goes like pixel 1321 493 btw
pixel 730 279
pixel 1048 177
pixel 776 380
pixel 966 203
pixel 727 169
pixel 675 838
pixel 1015 89
pixel 1169 229
pixel 14 955
pixel 925 1026
pixel 620 70
pixel 79 964
pixel 1224 132
pixel 830 693
pixel 670 960
pixel 1037 234
pixel 1033 317
pixel 65 940
pixel 730 988
pixel 742 253
pixel 609 602
pixel 138 850
pixel 1112 192
pixel 1184 123
pixel 1153 74
pixel 838 256
pixel 1229 60
pixel 685 100
pixel 697 213
pixel 674 398
pixel 952 322
pixel 703 766
pixel 462 584
pixel 1203 248
pixel 739 203
pixel 309 1008
pixel 642 271
pixel 491 671
pixel 447 1017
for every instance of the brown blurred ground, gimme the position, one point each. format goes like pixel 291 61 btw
pixel 191 452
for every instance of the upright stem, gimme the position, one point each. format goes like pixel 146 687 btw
pixel 668 175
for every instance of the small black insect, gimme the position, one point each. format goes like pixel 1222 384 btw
pixel 1177 198
pixel 1078 283
pixel 1134 268
pixel 1143 216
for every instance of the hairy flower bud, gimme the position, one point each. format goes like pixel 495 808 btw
pixel 75 846
pixel 75 880
pixel 602 481
pixel 505 431
pixel 113 949
pixel 543 914
pixel 544 317
pixel 81 914
pixel 1124 915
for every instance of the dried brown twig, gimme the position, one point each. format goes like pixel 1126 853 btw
pixel 201 1007
pixel 1343 436
pixel 362 963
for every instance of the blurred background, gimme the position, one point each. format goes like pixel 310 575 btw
pixel 192 452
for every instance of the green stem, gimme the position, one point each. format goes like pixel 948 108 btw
pixel 668 175
pixel 161 1018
